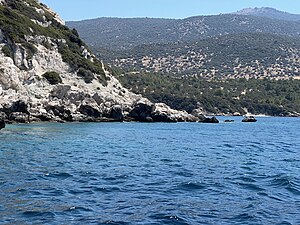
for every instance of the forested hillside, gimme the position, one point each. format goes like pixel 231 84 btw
pixel 124 34
pixel 237 63
pixel 221 97
pixel 250 55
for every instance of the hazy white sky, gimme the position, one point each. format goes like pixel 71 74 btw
pixel 84 9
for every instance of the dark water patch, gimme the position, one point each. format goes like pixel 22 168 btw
pixel 243 217
pixel 44 216
pixel 249 207
pixel 107 189
pixel 19 190
pixel 291 160
pixel 80 192
pixel 283 181
pixel 251 187
pixel 250 163
pixel 116 178
pixel 111 222
pixel 247 179
pixel 183 173
pixel 166 160
pixel 264 194
pixel 78 209
pixel 35 193
pixel 55 193
pixel 228 146
pixel 284 223
pixel 168 219
pixel 247 168
pixel 294 190
pixel 191 186
pixel 59 175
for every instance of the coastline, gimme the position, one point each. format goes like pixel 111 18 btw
pixel 221 118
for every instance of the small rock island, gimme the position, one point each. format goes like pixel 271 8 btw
pixel 249 119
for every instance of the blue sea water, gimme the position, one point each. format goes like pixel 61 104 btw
pixel 137 173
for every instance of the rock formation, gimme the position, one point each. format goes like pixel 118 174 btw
pixel 198 113
pixel 50 75
pixel 159 112
pixel 249 119
pixel 2 121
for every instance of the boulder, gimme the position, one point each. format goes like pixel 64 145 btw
pixel 61 91
pixel 141 112
pixel 249 119
pixel 199 114
pixel 158 112
pixel 16 111
pixel 18 106
pixel 163 113
pixel 60 111
pixel 89 111
pixel 42 117
pixel 2 124
pixel 209 120
pixel 19 117
pixel 116 113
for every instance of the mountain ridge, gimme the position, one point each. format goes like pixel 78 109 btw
pixel 269 12
pixel 123 34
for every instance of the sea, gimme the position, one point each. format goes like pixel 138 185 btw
pixel 151 173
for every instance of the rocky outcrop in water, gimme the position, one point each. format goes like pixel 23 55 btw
pixel 209 120
pixel 198 113
pixel 159 112
pixel 249 119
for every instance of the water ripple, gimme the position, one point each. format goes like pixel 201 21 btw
pixel 134 173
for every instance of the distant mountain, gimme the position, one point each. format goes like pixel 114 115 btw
pixel 177 61
pixel 269 13
pixel 253 55
pixel 123 34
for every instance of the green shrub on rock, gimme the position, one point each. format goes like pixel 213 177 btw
pixel 87 75
pixel 52 77
pixel 7 51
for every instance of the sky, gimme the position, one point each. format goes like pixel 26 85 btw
pixel 88 9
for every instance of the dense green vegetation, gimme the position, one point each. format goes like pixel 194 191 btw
pixel 277 98
pixel 87 75
pixel 16 23
pixel 7 51
pixel 52 77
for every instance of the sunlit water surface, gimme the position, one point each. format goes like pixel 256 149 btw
pixel 136 173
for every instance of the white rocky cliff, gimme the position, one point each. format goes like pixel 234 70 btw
pixel 27 94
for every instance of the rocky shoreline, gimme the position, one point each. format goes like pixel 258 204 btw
pixel 141 111
pixel 21 112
